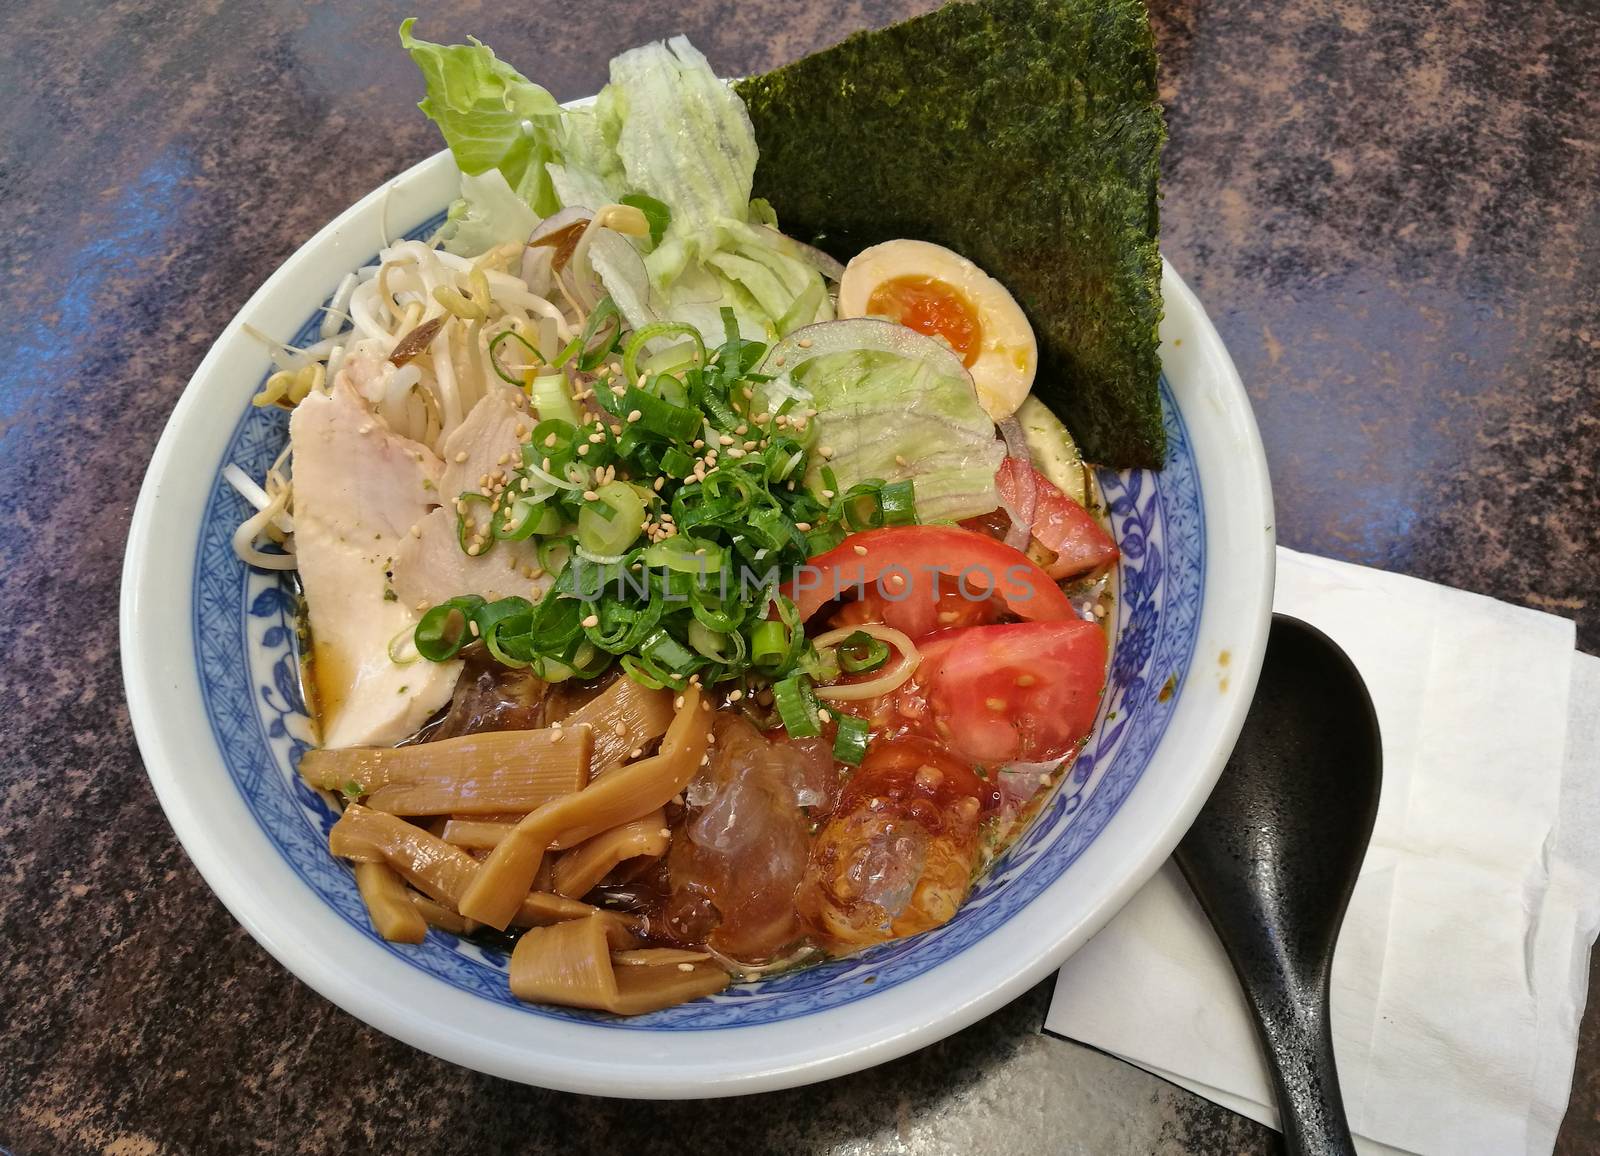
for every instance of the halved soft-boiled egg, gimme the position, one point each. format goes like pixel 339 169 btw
pixel 935 291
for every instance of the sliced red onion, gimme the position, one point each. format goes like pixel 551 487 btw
pixel 1019 782
pixel 860 335
pixel 576 274
pixel 622 273
pixel 557 221
pixel 1027 495
pixel 812 256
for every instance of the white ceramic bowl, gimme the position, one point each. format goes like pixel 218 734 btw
pixel 215 705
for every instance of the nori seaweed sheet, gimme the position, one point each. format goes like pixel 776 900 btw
pixel 1024 134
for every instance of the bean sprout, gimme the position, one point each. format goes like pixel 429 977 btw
pixel 428 398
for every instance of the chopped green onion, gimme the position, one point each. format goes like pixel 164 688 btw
pixel 554 553
pixel 797 707
pixel 684 554
pixel 861 652
pixel 769 642
pixel 642 337
pixel 662 418
pixel 676 464
pixel 898 501
pixel 671 359
pixel 850 741
pixel 494 362
pixel 443 630
pixel 552 401
pixel 474 538
pixel 610 523
pixel 666 650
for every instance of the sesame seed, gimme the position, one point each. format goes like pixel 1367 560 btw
pixel 635 415
pixel 858 549
pixel 619 390
pixel 461 457
pixel 825 451
pixel 677 703
pixel 616 430
pixel 895 581
pixel 416 530
pixel 995 704
pixel 686 967
pixel 803 527
pixel 483 481
pixel 590 623
pixel 657 484
pixel 473 627
pixel 545 465
pixel 736 453
pixel 900 459
pixel 555 735
pixel 735 696
pixel 535 571
pixel 502 459
pixel 423 605
pixel 824 715
pixel 827 494
pixel 635 753
pixel 583 450
pixel 556 724
pixel 666 832
pixel 778 361
pixel 698 444
pixel 619 728
pixel 590 496
pixel 597 438
pixel 741 429
pixel 725 440
pixel 366 429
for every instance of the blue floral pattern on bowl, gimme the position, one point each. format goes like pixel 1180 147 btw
pixel 244 634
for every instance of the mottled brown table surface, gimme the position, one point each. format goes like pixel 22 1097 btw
pixel 1390 210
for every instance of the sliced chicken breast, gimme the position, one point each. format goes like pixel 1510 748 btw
pixel 480 453
pixel 359 488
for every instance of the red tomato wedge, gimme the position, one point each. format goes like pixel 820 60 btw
pixel 1019 692
pixel 902 564
pixel 1060 525
pixel 920 616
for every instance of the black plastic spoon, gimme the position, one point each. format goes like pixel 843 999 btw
pixel 1273 858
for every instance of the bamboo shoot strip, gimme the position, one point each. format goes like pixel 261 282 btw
pixel 389 904
pixel 437 869
pixel 477 834
pixel 440 916
pixel 485 834
pixel 624 717
pixel 478 774
pixel 617 797
pixel 580 869
pixel 570 964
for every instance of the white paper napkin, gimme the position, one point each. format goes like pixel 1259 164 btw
pixel 1462 967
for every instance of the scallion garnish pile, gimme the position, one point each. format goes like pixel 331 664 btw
pixel 666 500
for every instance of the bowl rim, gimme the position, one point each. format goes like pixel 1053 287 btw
pixel 158 677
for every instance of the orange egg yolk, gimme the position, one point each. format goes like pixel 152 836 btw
pixel 930 306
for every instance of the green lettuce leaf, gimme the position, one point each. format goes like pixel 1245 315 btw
pixel 893 418
pixel 492 116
